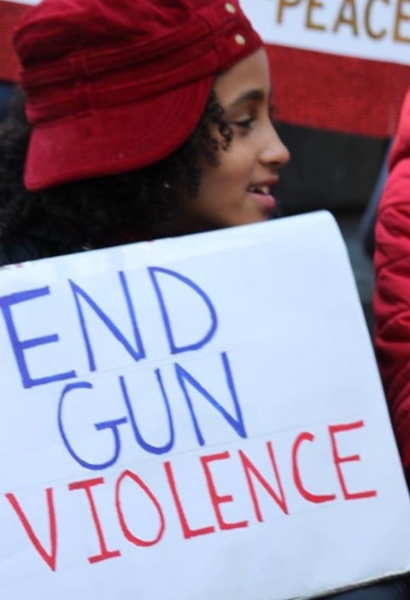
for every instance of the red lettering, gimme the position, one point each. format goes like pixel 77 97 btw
pixel 215 498
pixel 130 536
pixel 338 460
pixel 50 558
pixel 186 530
pixel 250 469
pixel 315 498
pixel 86 486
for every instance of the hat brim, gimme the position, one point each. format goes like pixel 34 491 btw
pixel 114 140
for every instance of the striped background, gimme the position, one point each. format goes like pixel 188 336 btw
pixel 312 89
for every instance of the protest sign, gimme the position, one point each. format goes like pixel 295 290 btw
pixel 195 418
pixel 369 29
pixel 342 65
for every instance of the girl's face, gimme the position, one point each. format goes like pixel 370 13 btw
pixel 237 190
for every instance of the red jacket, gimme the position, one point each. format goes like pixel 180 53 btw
pixel 392 295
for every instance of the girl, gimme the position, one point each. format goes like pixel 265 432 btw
pixel 131 137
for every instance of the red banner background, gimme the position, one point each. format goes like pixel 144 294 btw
pixel 337 93
pixel 10 12
pixel 312 89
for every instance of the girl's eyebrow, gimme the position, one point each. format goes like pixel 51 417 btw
pixel 255 95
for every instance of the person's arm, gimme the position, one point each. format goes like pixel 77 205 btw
pixel 392 295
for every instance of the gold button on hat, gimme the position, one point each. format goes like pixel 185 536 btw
pixel 240 40
pixel 230 8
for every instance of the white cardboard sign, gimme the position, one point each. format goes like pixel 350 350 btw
pixel 369 29
pixel 195 418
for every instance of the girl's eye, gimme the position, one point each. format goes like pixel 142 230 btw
pixel 245 123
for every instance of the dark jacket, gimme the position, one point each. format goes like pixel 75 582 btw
pixel 42 238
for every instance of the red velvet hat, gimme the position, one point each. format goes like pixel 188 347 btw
pixel 115 85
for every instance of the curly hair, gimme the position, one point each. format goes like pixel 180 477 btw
pixel 136 205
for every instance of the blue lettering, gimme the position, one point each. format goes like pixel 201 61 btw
pixel 236 422
pixel 19 346
pixel 174 349
pixel 110 425
pixel 138 352
pixel 140 440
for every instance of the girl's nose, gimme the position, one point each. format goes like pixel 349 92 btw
pixel 274 153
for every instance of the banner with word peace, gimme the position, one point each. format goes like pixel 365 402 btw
pixel 340 65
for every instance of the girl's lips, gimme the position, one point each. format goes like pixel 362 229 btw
pixel 266 202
